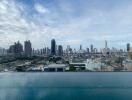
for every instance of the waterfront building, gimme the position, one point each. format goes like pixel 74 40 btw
pixel 55 68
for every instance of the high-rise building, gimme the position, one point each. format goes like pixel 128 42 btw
pixel 33 51
pixel 106 50
pixel 11 49
pixel 80 47
pixel 92 49
pixel 68 49
pixel 128 47
pixel 106 44
pixel 16 49
pixel 60 50
pixel 53 47
pixel 45 50
pixel 87 50
pixel 48 51
pixel 3 51
pixel 27 48
pixel 95 50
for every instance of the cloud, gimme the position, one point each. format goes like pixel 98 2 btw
pixel 41 9
pixel 69 23
pixel 14 26
pixel 73 42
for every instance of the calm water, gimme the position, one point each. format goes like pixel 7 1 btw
pixel 66 86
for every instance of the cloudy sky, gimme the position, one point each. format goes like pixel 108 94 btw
pixel 70 22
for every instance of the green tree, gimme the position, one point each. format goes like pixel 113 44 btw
pixel 119 60
pixel 72 68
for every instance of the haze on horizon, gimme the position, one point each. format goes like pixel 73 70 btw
pixel 70 22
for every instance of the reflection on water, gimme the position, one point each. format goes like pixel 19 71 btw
pixel 66 86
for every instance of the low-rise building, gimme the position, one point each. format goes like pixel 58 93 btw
pixel 55 68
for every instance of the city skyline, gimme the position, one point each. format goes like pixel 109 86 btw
pixel 55 47
pixel 65 49
pixel 70 23
pixel 84 47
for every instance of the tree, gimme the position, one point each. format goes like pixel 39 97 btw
pixel 72 68
pixel 119 60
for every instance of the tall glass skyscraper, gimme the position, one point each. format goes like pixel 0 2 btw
pixel 53 47
pixel 128 47
pixel 60 50
pixel 28 48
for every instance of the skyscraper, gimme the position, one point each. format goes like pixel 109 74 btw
pixel 27 48
pixel 128 47
pixel 53 47
pixel 92 48
pixel 87 50
pixel 106 44
pixel 80 47
pixel 16 49
pixel 11 49
pixel 3 51
pixel 60 50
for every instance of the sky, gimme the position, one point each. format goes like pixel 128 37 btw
pixel 70 22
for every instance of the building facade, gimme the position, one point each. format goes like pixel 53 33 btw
pixel 27 48
pixel 53 47
pixel 60 50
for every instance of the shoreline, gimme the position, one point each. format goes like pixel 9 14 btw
pixel 72 72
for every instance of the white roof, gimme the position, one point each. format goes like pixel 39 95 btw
pixel 56 65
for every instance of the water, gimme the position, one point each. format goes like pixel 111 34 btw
pixel 66 86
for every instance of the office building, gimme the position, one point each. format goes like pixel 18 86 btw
pixel 53 47
pixel 92 48
pixel 128 47
pixel 16 49
pixel 27 48
pixel 60 50
pixel 80 47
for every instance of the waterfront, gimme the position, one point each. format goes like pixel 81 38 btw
pixel 66 86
